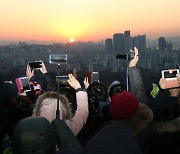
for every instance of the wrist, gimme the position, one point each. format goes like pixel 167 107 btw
pixel 44 72
pixel 79 89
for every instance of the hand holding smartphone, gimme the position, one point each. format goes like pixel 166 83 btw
pixel 95 76
pixel 170 77
pixel 35 64
pixel 23 84
pixel 92 76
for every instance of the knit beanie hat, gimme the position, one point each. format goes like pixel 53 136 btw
pixel 123 105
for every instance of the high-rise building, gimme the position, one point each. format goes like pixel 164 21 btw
pixel 127 33
pixel 118 43
pixel 108 45
pixel 128 44
pixel 140 42
pixel 162 43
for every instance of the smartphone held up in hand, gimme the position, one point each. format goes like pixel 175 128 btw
pixel 35 64
pixel 170 77
pixel 58 58
pixel 92 76
pixel 23 84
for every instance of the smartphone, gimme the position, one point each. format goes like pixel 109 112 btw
pixel 58 58
pixel 88 75
pixel 169 74
pixel 35 64
pixel 95 76
pixel 23 84
pixel 170 78
pixel 62 79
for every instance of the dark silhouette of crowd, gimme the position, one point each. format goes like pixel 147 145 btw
pixel 93 118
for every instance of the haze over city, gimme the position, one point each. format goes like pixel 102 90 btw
pixel 89 20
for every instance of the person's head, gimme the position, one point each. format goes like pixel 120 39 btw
pixel 124 105
pixel 18 108
pixel 34 135
pixel 99 90
pixel 115 87
pixel 46 106
pixel 20 102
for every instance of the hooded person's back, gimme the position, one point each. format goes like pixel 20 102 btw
pixel 115 138
pixel 34 135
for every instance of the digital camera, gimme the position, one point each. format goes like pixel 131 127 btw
pixel 129 56
pixel 62 79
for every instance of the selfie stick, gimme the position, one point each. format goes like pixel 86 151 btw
pixel 127 79
pixel 57 110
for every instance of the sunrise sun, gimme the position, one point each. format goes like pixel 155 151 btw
pixel 71 40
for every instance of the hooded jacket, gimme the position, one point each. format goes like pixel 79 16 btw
pixel 156 137
pixel 115 138
pixel 166 137
pixel 36 135
pixel 47 103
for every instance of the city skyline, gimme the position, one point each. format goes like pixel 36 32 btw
pixel 89 20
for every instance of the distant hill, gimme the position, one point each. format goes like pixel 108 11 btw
pixel 174 40
pixel 149 43
pixel 3 43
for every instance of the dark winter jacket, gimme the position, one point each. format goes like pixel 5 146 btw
pixel 166 137
pixel 136 84
pixel 36 135
pixel 45 80
pixel 115 138
pixel 156 137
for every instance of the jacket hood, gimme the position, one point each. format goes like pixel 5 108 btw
pixel 114 138
pixel 46 106
pixel 171 126
pixel 34 135
pixel 141 119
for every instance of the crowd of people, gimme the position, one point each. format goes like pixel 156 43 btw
pixel 89 119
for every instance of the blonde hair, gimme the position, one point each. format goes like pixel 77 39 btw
pixel 65 104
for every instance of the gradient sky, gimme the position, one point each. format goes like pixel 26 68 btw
pixel 87 20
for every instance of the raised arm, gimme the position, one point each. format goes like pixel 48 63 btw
pixel 82 112
pixel 136 82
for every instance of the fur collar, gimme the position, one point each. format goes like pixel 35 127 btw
pixel 141 119
pixel 171 126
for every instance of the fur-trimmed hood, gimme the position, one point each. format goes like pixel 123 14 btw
pixel 171 126
pixel 46 106
pixel 141 119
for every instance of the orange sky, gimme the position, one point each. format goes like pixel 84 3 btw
pixel 87 20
